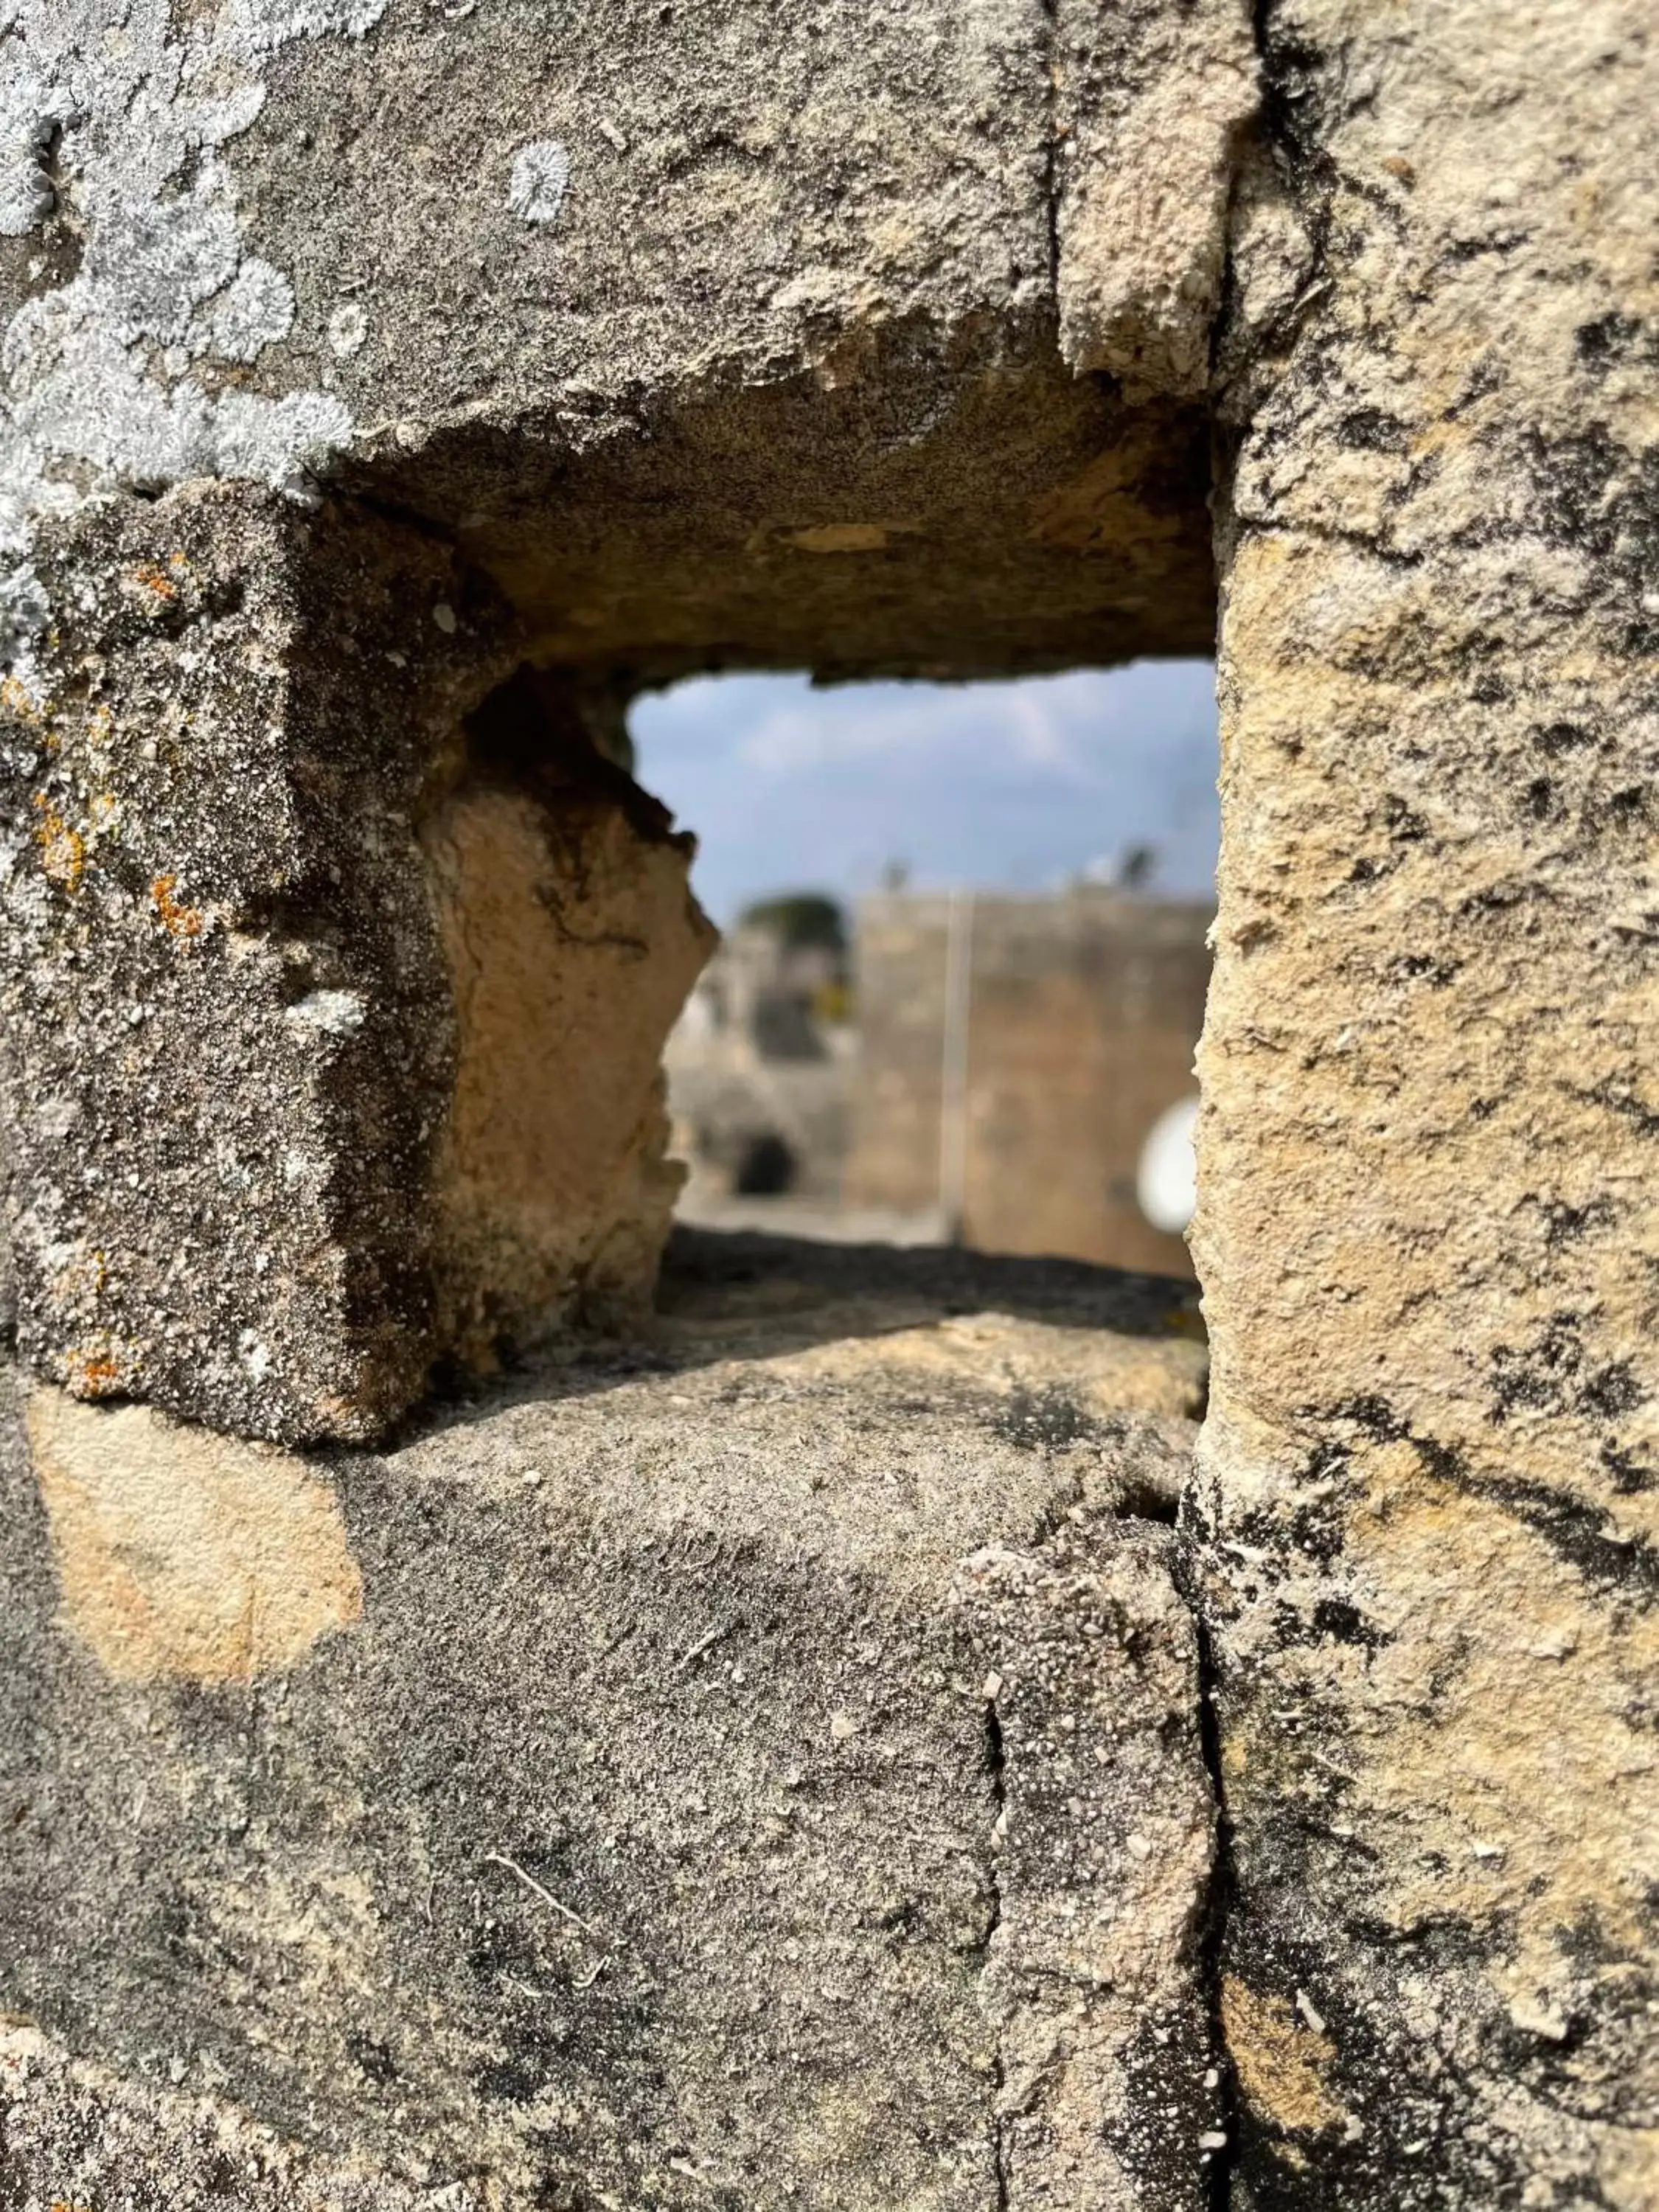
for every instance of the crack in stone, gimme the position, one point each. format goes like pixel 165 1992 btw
pixel 1051 155
pixel 1216 1909
pixel 995 1768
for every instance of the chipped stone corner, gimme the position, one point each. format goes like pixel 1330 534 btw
pixel 372 954
pixel 572 938
pixel 1148 148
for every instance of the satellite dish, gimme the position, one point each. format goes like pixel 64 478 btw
pixel 1166 1181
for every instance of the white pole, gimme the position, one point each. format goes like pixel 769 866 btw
pixel 953 1070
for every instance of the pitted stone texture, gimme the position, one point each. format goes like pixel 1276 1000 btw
pixel 75 2134
pixel 227 1027
pixel 1103 1884
pixel 290 1085
pixel 644 1839
pixel 1426 1231
pixel 676 340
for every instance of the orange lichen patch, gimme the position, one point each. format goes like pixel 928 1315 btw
pixel 63 848
pixel 184 1554
pixel 1282 2064
pixel 94 1375
pixel 77 1285
pixel 152 580
pixel 14 700
pixel 179 921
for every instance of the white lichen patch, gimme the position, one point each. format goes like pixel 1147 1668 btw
pixel 261 25
pixel 32 111
pixel 102 381
pixel 255 310
pixel 347 327
pixel 541 176
pixel 336 1013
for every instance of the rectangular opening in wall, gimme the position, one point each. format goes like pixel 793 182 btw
pixel 964 958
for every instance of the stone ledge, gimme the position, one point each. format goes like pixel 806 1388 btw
pixel 771 1779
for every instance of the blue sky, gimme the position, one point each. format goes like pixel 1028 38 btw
pixel 1017 787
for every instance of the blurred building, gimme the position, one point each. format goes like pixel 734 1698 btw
pixel 1014 1055
pixel 1006 1063
pixel 757 1068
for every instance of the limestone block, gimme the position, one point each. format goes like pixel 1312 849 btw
pixel 527 271
pixel 1426 1225
pixel 770 1779
pixel 269 1158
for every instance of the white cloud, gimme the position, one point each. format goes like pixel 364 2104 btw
pixel 1047 722
pixel 1020 784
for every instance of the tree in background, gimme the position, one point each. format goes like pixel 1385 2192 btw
pixel 799 920
pixel 810 930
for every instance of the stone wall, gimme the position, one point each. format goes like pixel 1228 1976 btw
pixel 1425 1226
pixel 383 1826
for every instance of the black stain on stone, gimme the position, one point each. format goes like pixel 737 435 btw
pixel 1374 430
pixel 1423 967
pixel 371 2056
pixel 1603 344
pixel 1565 1224
pixel 1343 1623
pixel 1575 1532
pixel 1553 1373
pixel 1556 738
pixel 1044 1419
pixel 1626 1472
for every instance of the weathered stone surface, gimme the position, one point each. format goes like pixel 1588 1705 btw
pixel 641 339
pixel 1426 1231
pixel 1105 2032
pixel 72 2133
pixel 571 938
pixel 1151 120
pixel 716 332
pixel 333 1029
pixel 684 1813
pixel 226 1016
pixel 629 343
pixel 183 1553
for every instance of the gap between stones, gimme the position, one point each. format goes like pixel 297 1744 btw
pixel 995 1763
pixel 1217 1905
pixel 1144 1503
pixel 1051 157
